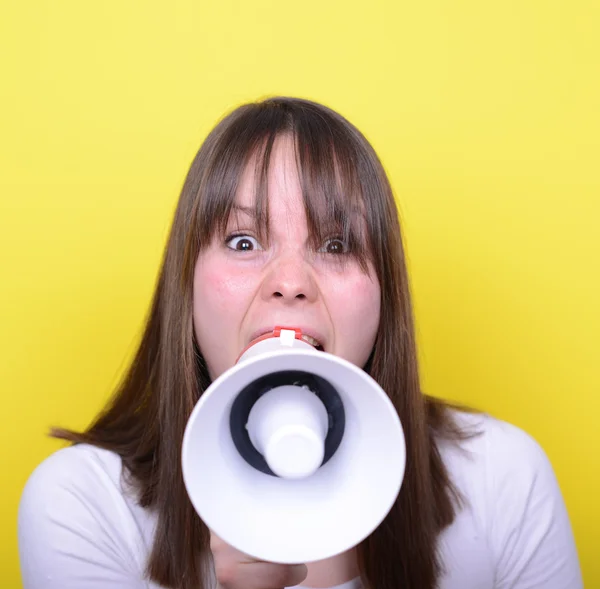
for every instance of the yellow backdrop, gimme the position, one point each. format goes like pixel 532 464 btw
pixel 486 114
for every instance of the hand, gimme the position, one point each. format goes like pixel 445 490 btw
pixel 236 570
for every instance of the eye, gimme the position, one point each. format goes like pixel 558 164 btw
pixel 335 245
pixel 242 243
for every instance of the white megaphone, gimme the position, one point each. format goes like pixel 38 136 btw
pixel 293 455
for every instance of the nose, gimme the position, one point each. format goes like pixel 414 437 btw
pixel 291 279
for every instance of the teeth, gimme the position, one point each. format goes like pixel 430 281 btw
pixel 312 341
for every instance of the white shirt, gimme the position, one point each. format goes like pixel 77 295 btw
pixel 81 528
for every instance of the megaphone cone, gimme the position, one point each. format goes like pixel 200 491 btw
pixel 293 455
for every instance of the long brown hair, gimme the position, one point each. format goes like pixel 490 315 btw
pixel 145 421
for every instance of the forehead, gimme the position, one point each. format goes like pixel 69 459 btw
pixel 282 180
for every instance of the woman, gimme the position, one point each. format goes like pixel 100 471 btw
pixel 287 217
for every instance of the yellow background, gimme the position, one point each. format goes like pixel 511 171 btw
pixel 485 113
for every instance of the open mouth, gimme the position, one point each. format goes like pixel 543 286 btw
pixel 309 339
pixel 313 342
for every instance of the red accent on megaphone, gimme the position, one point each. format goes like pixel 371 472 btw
pixel 275 333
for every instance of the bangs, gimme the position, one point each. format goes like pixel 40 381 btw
pixel 331 189
pixel 328 159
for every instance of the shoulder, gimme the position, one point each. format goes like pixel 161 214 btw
pixel 79 480
pixel 493 447
pixel 513 497
pixel 499 463
pixel 79 516
pixel 79 465
pixel 81 474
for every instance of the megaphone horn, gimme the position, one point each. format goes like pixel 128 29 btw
pixel 293 455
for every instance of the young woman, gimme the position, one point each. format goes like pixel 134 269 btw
pixel 287 218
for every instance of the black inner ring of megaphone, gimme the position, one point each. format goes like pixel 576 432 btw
pixel 244 402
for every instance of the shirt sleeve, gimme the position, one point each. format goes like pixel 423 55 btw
pixel 531 536
pixel 73 527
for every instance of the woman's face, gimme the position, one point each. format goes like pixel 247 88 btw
pixel 244 288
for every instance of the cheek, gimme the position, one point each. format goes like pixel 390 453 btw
pixel 216 290
pixel 359 295
pixel 355 308
pixel 365 309
pixel 221 298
